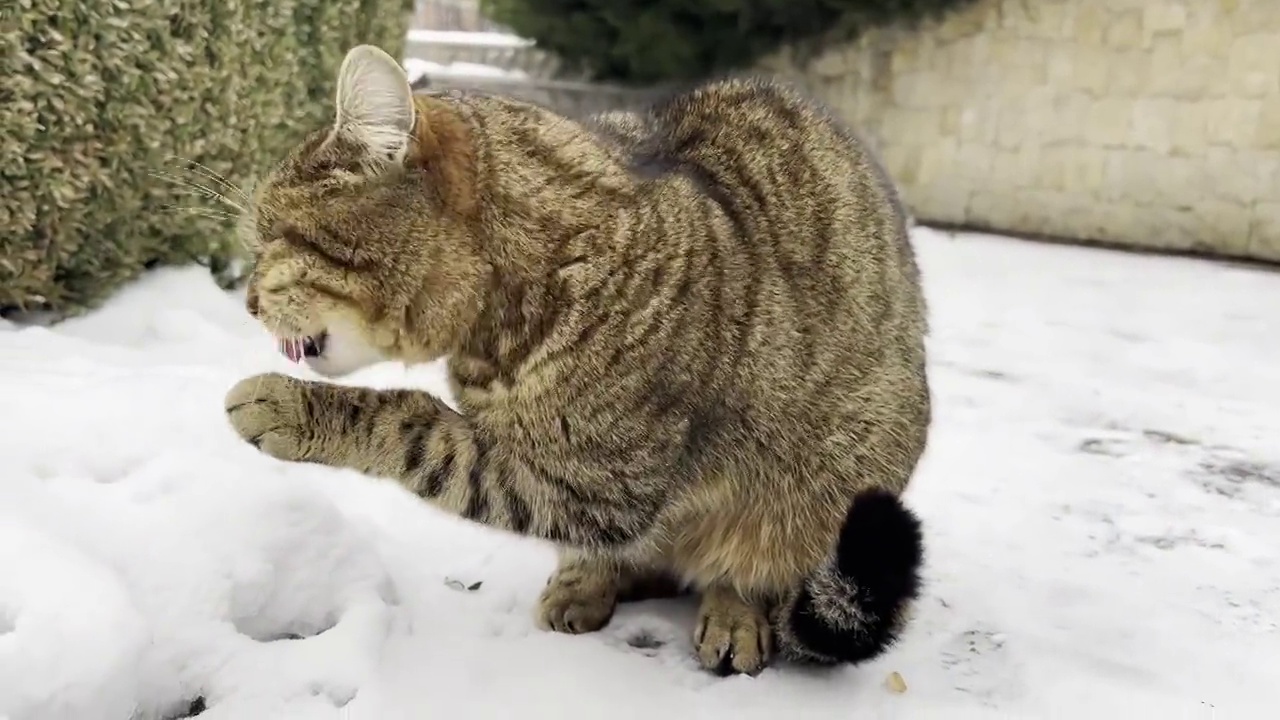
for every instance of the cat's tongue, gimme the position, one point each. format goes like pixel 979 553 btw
pixel 291 348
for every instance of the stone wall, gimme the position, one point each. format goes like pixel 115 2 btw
pixel 1151 123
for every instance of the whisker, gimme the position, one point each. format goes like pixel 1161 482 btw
pixel 198 208
pixel 213 214
pixel 197 188
pixel 202 212
pixel 210 173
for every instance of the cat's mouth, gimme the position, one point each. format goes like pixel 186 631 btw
pixel 296 348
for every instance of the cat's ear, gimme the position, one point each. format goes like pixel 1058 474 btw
pixel 375 103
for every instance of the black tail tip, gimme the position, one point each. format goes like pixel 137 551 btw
pixel 881 550
pixel 878 557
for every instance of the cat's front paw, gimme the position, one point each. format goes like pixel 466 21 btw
pixel 270 411
pixel 733 635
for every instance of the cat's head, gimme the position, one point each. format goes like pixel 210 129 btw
pixel 364 234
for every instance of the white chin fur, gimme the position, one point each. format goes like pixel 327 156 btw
pixel 345 351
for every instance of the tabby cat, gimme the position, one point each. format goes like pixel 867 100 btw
pixel 687 344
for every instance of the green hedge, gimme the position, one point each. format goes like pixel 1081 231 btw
pixel 98 98
pixel 645 41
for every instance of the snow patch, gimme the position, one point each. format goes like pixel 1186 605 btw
pixel 73 635
pixel 418 68
pixel 466 37
pixel 1100 496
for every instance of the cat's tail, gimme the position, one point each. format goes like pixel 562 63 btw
pixel 853 607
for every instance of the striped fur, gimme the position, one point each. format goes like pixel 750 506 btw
pixel 688 347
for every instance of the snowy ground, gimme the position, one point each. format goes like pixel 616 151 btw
pixel 1101 493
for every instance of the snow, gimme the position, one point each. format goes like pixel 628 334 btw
pixel 1101 496
pixel 468 37
pixel 416 68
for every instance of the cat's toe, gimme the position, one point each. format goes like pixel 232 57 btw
pixel 732 637
pixel 577 608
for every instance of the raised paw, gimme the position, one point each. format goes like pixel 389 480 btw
pixel 269 411
pixel 578 599
pixel 733 636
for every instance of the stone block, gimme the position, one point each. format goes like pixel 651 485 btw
pixel 905 56
pixel 1128 73
pixel 832 62
pixel 1190 128
pixel 1022 63
pixel 1091 23
pixel 1169 228
pixel 1264 231
pixel 1049 175
pixel 1071 116
pixel 1059 64
pixel 1125 32
pixel 1039 115
pixel 1090 70
pixel 1161 17
pixel 1014 15
pixel 964 23
pixel 1088 220
pixel 937 163
pixel 1265 165
pixel 1251 16
pixel 1043 211
pixel 902 161
pixel 921 90
pixel 1221 227
pixel 1233 122
pixel 916 125
pixel 1012 129
pixel 949 124
pixel 1172 181
pixel 1108 122
pixel 1253 67
pixel 974 161
pixel 993 209
pixel 1142 226
pixel 1207 33
pixel 1238 176
pixel 1134 177
pixel 1098 221
pixel 1019 168
pixel 1175 74
pixel 1151 123
pixel 1200 76
pixel 1083 171
pixel 1163 228
pixel 979 123
pixel 1267 136
pixel 940 202
pixel 1049 20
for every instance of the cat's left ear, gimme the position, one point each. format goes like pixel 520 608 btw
pixel 375 103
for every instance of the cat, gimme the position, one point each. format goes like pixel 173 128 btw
pixel 688 346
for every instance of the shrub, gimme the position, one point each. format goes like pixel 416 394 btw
pixel 99 99
pixel 645 41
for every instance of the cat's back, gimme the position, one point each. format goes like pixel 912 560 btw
pixel 791 178
pixel 812 213
pixel 805 312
